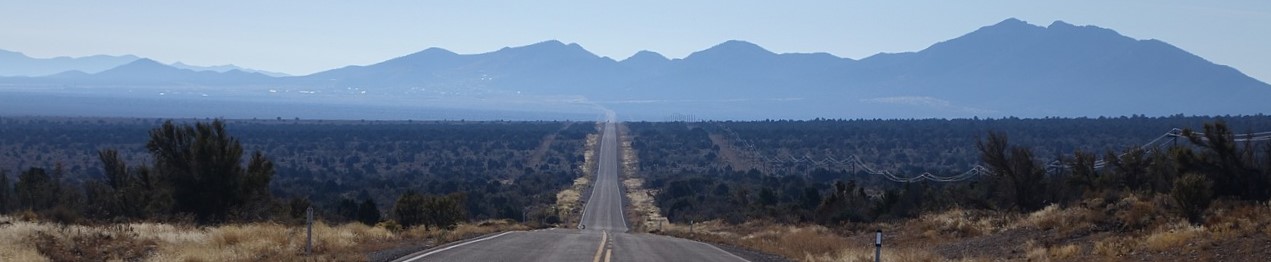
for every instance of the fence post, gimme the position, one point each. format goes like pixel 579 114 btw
pixel 309 236
pixel 878 245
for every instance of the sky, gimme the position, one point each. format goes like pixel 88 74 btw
pixel 303 37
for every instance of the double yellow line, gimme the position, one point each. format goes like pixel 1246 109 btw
pixel 601 250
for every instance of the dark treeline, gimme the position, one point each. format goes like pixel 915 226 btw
pixel 196 173
pixel 702 171
pixel 366 171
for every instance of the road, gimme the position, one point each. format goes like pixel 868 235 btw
pixel 604 207
pixel 604 236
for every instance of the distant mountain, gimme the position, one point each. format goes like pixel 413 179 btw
pixel 225 68
pixel 549 67
pixel 151 73
pixel 18 64
pixel 1011 68
pixel 1062 69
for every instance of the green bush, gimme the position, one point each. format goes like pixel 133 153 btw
pixel 1192 193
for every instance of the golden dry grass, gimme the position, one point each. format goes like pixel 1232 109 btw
pixel 463 231
pixel 232 242
pixel 569 200
pixel 642 206
pixel 958 223
pixel 1057 253
pixel 1066 220
pixel 1050 234
pixel 804 243
pixel 14 236
pixel 867 255
pixel 1174 236
pixel 640 199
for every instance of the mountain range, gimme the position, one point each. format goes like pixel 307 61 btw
pixel 20 65
pixel 1011 68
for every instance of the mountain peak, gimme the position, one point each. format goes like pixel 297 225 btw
pixel 549 44
pixel 549 48
pixel 436 50
pixel 141 66
pixel 144 62
pixel 430 53
pixel 739 45
pixel 552 42
pixel 1009 25
pixel 644 55
pixel 1059 23
pixel 731 49
pixel 646 59
pixel 1011 21
pixel 552 45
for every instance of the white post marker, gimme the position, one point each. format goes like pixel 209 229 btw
pixel 309 236
pixel 878 245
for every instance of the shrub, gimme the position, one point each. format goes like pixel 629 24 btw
pixel 110 244
pixel 390 225
pixel 1134 213
pixel 1192 194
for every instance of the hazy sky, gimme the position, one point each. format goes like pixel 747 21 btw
pixel 301 37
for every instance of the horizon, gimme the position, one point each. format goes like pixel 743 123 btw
pixel 282 37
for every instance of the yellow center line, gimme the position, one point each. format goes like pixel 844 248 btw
pixel 608 254
pixel 604 236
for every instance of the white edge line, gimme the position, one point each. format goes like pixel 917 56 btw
pixel 456 245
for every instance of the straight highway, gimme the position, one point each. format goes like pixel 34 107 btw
pixel 603 235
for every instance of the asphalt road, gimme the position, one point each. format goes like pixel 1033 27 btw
pixel 604 207
pixel 604 237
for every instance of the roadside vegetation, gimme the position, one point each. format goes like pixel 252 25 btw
pixel 569 202
pixel 1204 197
pixel 23 240
pixel 102 189
pixel 202 194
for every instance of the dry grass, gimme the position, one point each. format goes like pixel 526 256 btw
pixel 37 241
pixel 1114 247
pixel 1065 220
pixel 641 207
pixel 867 255
pixel 1058 253
pixel 1131 228
pixel 463 231
pixel 14 244
pixel 569 200
pixel 959 223
pixel 806 243
pixel 1172 237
